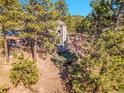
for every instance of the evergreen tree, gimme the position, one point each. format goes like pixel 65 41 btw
pixel 101 70
pixel 73 23
pixel 24 71
pixel 11 16
pixel 40 20
pixel 61 7
pixel 103 14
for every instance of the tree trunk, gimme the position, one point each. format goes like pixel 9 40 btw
pixel 35 49
pixel 5 45
pixel 96 89
pixel 120 13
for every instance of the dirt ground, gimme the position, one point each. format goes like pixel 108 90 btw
pixel 49 82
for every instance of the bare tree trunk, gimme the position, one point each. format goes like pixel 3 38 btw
pixel 118 21
pixel 5 45
pixel 96 89
pixel 35 49
pixel 120 14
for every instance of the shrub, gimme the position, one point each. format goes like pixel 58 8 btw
pixel 65 58
pixel 24 71
pixel 4 89
pixel 69 56
pixel 102 70
pixel 58 60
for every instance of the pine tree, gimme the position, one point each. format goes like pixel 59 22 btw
pixel 41 17
pixel 103 14
pixel 11 16
pixel 61 7
pixel 24 71
pixel 101 70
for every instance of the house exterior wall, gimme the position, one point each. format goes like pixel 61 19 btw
pixel 62 32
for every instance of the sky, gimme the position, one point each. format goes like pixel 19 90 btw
pixel 79 7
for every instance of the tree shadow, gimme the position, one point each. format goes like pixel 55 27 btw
pixel 69 58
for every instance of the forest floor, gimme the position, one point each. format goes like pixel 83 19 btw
pixel 49 82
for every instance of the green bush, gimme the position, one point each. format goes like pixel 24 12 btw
pixel 65 58
pixel 4 89
pixel 24 71
pixel 102 70
pixel 69 56
pixel 101 76
pixel 58 60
